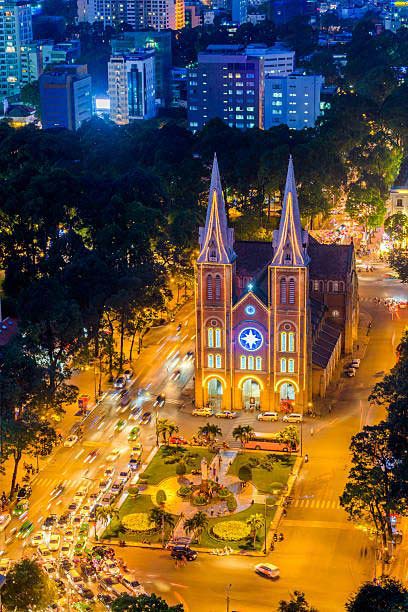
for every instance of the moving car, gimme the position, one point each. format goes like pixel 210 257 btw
pixel 43 550
pixel 120 425
pixel 133 464
pixel 268 570
pixel 134 433
pixel 21 508
pixel 137 450
pixel 225 414
pixel 350 372
pixel 71 440
pixel 146 418
pixel 135 413
pixel 4 521
pixel 176 375
pixel 202 412
pixel 37 539
pixel 189 356
pixel 125 399
pixel 268 416
pixel 117 487
pixel 107 500
pixel 293 417
pixel 124 475
pixel 24 493
pixel 90 458
pixel 120 382
pixel 355 363
pixel 183 552
pixel 58 490
pixel 177 440
pixel 128 374
pixel 109 472
pixel 104 484
pixel 113 455
pixel 5 563
pixel 160 400
pixel 54 542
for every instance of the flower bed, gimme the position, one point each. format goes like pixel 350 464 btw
pixel 224 493
pixel 231 530
pixel 184 491
pixel 138 521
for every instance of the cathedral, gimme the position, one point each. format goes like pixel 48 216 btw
pixel 272 319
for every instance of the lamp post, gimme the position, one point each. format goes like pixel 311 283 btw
pixel 265 530
pixel 228 596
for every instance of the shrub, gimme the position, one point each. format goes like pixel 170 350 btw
pixel 253 462
pixel 231 530
pixel 224 493
pixel 199 500
pixel 161 497
pixel 139 521
pixel 184 491
pixel 134 491
pixel 231 503
pixel 181 468
pixel 245 473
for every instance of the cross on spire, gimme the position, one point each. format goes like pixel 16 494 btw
pixel 290 241
pixel 216 238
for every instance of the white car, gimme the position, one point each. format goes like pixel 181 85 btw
pixel 355 363
pixel 55 541
pixel 113 455
pixel 120 382
pixel 350 372
pixel 37 539
pixel 71 440
pixel 293 417
pixel 4 521
pixel 69 535
pixel 268 570
pixel 268 416
pixel 128 374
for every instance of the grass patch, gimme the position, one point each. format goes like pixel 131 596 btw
pixel 265 480
pixel 160 468
pixel 131 505
pixel 209 541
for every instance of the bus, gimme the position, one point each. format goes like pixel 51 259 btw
pixel 270 442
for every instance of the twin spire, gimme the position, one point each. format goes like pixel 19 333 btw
pixel 217 239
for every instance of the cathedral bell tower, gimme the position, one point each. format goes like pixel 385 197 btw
pixel 289 306
pixel 213 295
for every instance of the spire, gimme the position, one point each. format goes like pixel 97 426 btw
pixel 216 238
pixel 290 241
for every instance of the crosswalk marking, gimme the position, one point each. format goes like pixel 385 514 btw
pixel 317 504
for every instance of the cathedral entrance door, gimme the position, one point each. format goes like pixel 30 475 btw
pixel 251 394
pixel 287 392
pixel 215 393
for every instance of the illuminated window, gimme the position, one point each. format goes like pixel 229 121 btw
pixel 291 343
pixel 217 337
pixel 210 337
pixel 335 313
pixel 315 285
pixel 242 362
pixel 283 365
pixel 209 287
pixel 283 341
pixel 258 363
pixel 217 287
pixel 283 291
pixel 251 362
pixel 210 361
pixel 291 365
pixel 291 291
pixel 335 287
pixel 218 361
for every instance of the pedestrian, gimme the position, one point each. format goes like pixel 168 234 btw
pixel 311 431
pixel 365 551
pixel 330 408
pixel 358 347
pixel 216 479
pixel 219 461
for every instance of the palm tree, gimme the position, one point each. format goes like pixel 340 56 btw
pixel 104 514
pixel 209 431
pixel 243 433
pixel 172 428
pixel 290 436
pixel 196 523
pixel 255 522
pixel 161 519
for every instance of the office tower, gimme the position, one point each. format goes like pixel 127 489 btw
pixel 31 63
pixel 131 87
pixel 15 34
pixel 239 11
pixel 60 53
pixel 227 83
pixel 66 96
pixel 164 14
pixel 160 43
pixel 293 100
pixel 278 59
pixel 111 12
pixel 193 14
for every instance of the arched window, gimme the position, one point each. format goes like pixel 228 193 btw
pixel 217 287
pixel 217 337
pixel 341 287
pixel 291 365
pixel 291 342
pixel 258 363
pixel 210 360
pixel 321 286
pixel 283 365
pixel 218 361
pixel 210 337
pixel 330 287
pixel 242 362
pixel 209 287
pixel 335 286
pixel 283 341
pixel 283 290
pixel 291 291
pixel 251 362
pixel 213 255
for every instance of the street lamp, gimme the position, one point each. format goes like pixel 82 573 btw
pixel 228 595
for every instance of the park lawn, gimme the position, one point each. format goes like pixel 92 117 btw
pixel 158 470
pixel 140 503
pixel 265 481
pixel 209 541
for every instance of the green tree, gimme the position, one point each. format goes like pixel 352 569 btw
pixel 209 431
pixel 27 587
pixel 398 260
pixel 163 521
pixel 104 514
pixel 196 524
pixel 245 473
pixel 290 435
pixel 297 603
pixel 161 497
pixel 181 468
pixel 142 603
pixel 255 522
pixel 396 227
pixel 243 433
pixel 387 595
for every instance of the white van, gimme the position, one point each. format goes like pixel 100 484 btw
pixel 131 583
pixel 293 417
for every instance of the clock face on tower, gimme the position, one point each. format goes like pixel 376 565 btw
pixel 250 339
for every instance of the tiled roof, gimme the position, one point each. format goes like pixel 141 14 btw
pixel 329 261
pixel 324 344
pixel 252 256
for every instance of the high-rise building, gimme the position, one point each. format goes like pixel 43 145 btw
pixel 111 12
pixel 66 96
pixel 193 14
pixel 160 43
pixel 277 59
pixel 131 87
pixel 164 14
pixel 15 34
pixel 227 83
pixel 293 100
pixel 239 11
pixel 60 53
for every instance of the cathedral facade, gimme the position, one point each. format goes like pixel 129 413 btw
pixel 272 319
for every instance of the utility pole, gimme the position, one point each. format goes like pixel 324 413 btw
pixel 265 531
pixel 228 594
